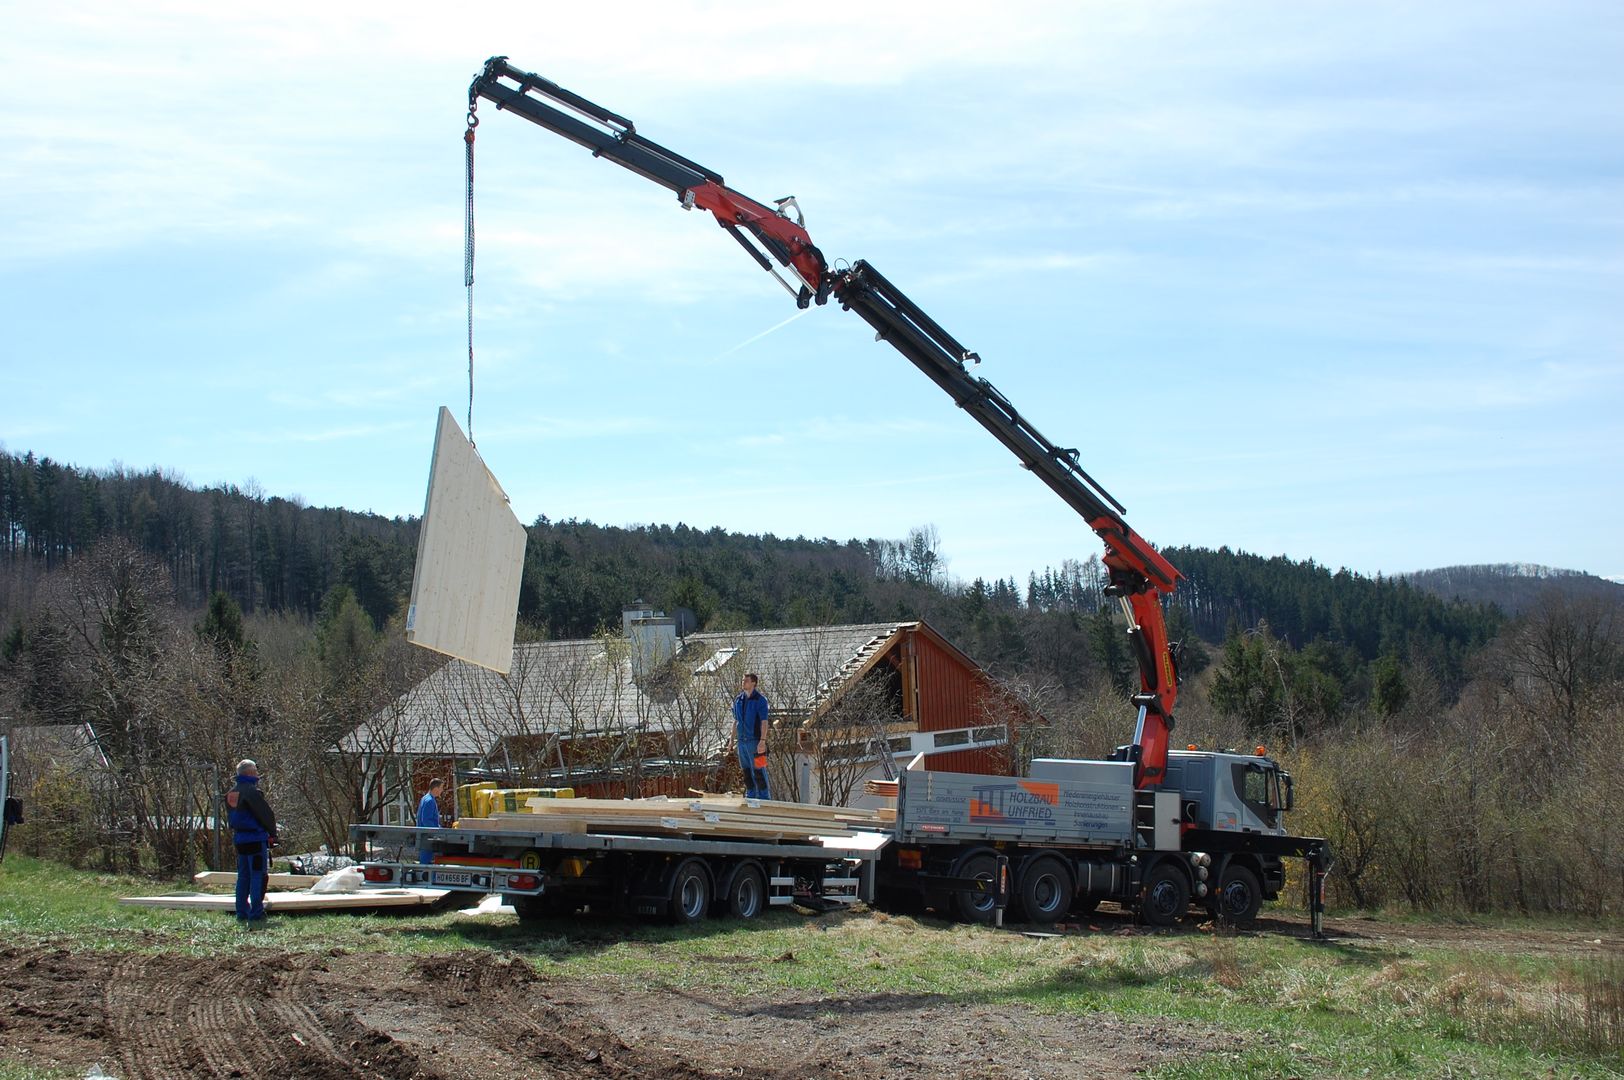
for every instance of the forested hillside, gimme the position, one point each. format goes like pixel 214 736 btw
pixel 273 555
pixel 1512 587
pixel 1456 756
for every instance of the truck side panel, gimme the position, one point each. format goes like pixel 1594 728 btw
pixel 963 805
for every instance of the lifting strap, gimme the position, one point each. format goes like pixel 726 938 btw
pixel 468 252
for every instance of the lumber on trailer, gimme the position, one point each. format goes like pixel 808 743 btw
pixel 296 901
pixel 470 557
pixel 886 789
pixel 274 881
pixel 701 815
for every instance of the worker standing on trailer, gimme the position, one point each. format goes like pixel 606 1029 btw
pixel 750 730
pixel 253 833
pixel 428 817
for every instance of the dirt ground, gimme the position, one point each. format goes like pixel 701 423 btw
pixel 491 1017
pixel 474 1014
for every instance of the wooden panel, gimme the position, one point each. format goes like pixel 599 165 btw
pixel 470 556
pixel 279 881
pixel 297 901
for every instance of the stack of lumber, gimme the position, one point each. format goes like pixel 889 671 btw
pixel 703 815
pixel 883 789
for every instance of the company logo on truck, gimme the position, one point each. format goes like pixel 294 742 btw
pixel 1017 801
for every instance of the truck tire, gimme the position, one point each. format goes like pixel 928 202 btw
pixel 1239 896
pixel 690 893
pixel 975 907
pixel 1045 891
pixel 745 894
pixel 1166 895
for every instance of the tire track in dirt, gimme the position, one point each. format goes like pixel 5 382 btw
pixel 477 1015
pixel 304 1027
pixel 142 1021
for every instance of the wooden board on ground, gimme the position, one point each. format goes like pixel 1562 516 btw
pixel 470 557
pixel 274 881
pixel 366 899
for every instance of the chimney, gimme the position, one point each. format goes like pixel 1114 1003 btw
pixel 653 638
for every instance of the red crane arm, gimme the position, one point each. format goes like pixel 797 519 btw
pixel 1139 576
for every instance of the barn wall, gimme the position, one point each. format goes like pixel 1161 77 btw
pixel 950 695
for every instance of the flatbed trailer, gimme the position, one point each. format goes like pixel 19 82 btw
pixel 678 878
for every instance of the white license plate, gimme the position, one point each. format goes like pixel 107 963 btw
pixel 451 877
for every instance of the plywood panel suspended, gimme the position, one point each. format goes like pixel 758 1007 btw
pixel 470 557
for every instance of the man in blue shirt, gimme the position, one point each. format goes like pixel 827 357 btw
pixel 253 833
pixel 428 817
pixel 750 733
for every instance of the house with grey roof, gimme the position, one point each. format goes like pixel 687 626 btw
pixel 648 711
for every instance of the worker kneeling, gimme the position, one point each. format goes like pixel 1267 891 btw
pixel 253 833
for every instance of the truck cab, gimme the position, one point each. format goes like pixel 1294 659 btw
pixel 1230 792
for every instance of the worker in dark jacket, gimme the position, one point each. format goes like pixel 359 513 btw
pixel 750 732
pixel 253 831
pixel 428 817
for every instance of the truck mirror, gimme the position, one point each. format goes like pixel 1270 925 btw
pixel 1291 795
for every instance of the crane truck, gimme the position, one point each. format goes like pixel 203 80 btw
pixel 1151 828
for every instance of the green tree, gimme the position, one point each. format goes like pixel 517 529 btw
pixel 345 639
pixel 1389 692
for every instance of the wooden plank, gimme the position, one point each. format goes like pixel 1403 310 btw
pixel 470 557
pixel 295 901
pixel 279 881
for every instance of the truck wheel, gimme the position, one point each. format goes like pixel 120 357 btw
pixel 746 893
pixel 976 907
pixel 1239 896
pixel 1045 891
pixel 690 893
pixel 1166 897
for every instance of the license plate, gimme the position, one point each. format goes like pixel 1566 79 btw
pixel 451 877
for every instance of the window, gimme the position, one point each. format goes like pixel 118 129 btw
pixel 1253 785
pixel 1257 787
pixel 951 738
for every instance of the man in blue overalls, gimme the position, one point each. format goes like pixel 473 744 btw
pixel 253 832
pixel 750 731
pixel 428 817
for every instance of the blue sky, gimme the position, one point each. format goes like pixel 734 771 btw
pixel 1334 281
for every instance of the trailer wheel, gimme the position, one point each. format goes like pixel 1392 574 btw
pixel 746 892
pixel 1045 891
pixel 690 893
pixel 1166 896
pixel 976 907
pixel 1239 896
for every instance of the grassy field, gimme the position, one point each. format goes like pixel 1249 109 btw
pixel 1455 1002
